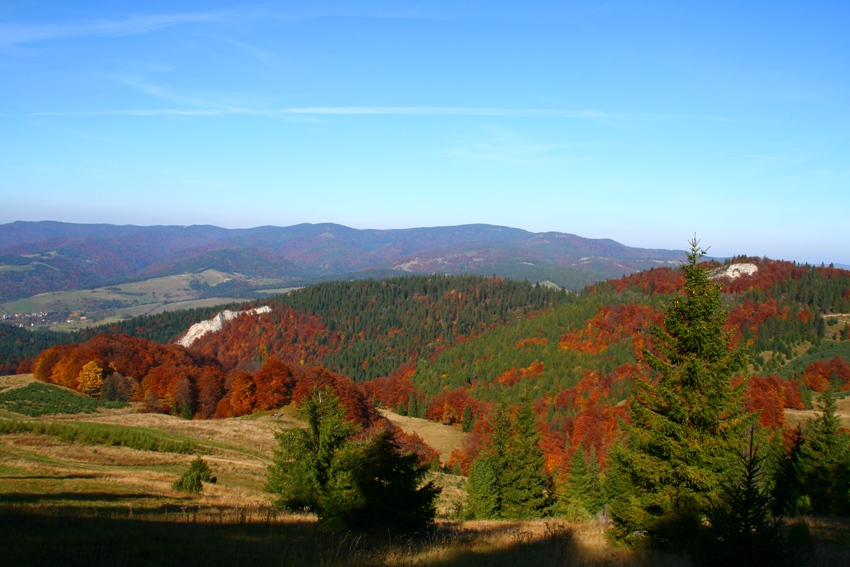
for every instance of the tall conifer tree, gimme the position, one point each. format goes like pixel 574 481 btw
pixel 484 499
pixel 508 479
pixel 575 493
pixel 823 466
pixel 524 480
pixel 687 424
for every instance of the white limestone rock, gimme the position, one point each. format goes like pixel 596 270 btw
pixel 214 325
pixel 734 271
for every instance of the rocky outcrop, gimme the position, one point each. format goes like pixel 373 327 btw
pixel 734 271
pixel 214 325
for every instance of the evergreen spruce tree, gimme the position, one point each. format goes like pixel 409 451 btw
pixel 303 459
pixel 484 497
pixel 371 484
pixel 823 464
pixel 412 406
pixel 574 495
pixel 523 478
pixel 347 483
pixel 596 498
pixel 784 463
pixel 742 531
pixel 686 428
pixel 191 479
pixel 510 482
pixel 467 421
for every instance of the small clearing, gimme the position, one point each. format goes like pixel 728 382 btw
pixel 443 438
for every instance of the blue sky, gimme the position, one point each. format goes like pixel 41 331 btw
pixel 645 122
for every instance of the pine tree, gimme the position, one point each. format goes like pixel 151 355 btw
pixel 575 494
pixel 823 464
pixel 524 479
pixel 686 428
pixel 743 532
pixel 484 497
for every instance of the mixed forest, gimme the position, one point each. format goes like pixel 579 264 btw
pixel 576 403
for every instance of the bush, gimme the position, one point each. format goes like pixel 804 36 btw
pixel 193 478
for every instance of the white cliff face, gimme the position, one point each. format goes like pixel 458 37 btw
pixel 734 271
pixel 214 325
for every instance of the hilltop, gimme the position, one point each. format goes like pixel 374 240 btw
pixel 38 257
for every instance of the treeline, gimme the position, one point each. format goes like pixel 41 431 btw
pixel 370 328
pixel 19 345
pixel 171 379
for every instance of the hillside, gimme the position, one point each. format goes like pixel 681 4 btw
pixel 446 347
pixel 37 257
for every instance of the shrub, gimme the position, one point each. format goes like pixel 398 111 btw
pixel 193 478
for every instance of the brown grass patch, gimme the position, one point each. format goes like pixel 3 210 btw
pixel 441 437
pixel 15 381
pixel 796 418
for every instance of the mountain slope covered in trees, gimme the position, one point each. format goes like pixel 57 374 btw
pixel 52 256
pixel 446 347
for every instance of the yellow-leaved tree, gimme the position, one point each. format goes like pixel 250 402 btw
pixel 90 379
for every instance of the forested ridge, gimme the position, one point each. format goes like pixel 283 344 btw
pixel 484 354
pixel 482 338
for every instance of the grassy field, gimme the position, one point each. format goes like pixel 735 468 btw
pixel 125 300
pixel 84 502
pixel 798 417
pixel 443 438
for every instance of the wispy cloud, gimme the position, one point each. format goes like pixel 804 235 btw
pixel 399 111
pixel 20 34
pixel 496 144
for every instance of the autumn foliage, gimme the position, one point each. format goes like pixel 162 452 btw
pixel 613 323
pixel 771 395
pixel 820 375
pixel 448 407
pixel 394 391
pixel 168 378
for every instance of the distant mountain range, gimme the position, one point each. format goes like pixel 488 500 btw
pixel 37 257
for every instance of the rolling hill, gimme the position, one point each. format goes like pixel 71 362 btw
pixel 37 257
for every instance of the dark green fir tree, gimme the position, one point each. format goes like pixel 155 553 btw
pixel 353 484
pixel 524 486
pixel 574 496
pixel 467 420
pixel 823 464
pixel 742 530
pixel 687 423
pixel 484 496
pixel 508 479
pixel 303 459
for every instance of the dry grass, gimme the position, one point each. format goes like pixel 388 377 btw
pixel 261 536
pixel 64 503
pixel 15 381
pixel 795 418
pixel 441 437
pixel 253 435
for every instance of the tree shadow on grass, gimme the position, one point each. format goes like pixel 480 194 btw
pixel 82 497
pixel 191 536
